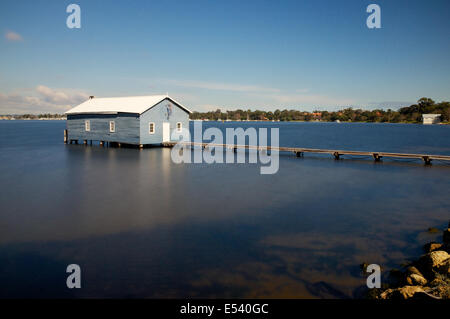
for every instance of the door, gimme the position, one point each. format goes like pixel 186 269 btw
pixel 166 132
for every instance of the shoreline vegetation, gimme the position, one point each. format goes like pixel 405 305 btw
pixel 410 114
pixel 46 116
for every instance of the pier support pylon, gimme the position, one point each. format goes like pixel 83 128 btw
pixel 377 157
pixel 426 160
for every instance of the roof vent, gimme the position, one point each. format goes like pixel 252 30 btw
pixel 91 97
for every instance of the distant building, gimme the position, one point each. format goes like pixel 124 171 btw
pixel 137 120
pixel 431 118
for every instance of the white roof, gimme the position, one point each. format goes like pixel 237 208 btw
pixel 113 105
pixel 431 115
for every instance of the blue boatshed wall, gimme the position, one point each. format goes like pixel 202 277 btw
pixel 130 128
pixel 126 127
pixel 158 115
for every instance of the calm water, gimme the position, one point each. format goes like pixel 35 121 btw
pixel 141 226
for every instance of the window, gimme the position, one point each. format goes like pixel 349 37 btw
pixel 151 128
pixel 112 126
pixel 179 127
pixel 87 125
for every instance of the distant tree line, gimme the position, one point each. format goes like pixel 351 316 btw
pixel 409 114
pixel 33 116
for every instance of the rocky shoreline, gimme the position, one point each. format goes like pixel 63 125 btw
pixel 425 278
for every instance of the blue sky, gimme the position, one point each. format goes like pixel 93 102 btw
pixel 224 54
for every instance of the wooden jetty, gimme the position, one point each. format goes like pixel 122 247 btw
pixel 299 151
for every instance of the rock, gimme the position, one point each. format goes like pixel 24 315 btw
pixel 432 247
pixel 416 280
pixel 446 237
pixel 433 230
pixel 413 270
pixel 425 296
pixel 409 291
pixel 444 268
pixel 443 291
pixel 441 287
pixel 438 258
pixel 401 293
pixel 432 262
pixel 437 282
pixel 386 294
